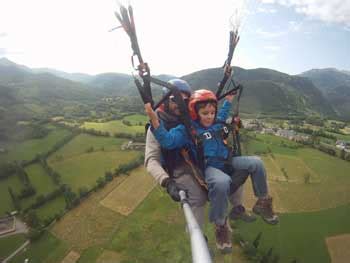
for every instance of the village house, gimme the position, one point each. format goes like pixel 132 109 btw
pixel 254 124
pixel 3 150
pixel 130 145
pixel 340 144
pixel 289 134
pixel 267 131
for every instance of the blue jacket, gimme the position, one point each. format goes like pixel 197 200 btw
pixel 215 150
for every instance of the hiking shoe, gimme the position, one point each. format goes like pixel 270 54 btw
pixel 223 237
pixel 239 212
pixel 263 207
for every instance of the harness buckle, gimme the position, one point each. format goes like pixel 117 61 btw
pixel 225 130
pixel 207 135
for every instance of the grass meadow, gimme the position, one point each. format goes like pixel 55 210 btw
pixel 41 181
pixel 47 249
pixel 154 232
pixel 51 208
pixel 6 204
pixel 80 168
pixel 113 127
pixel 329 176
pixel 81 143
pixel 135 119
pixel 10 244
pixel 309 211
pixel 83 170
pixel 27 150
pixel 300 236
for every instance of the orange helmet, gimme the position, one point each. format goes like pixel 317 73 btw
pixel 201 95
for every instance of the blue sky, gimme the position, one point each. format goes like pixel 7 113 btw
pixel 284 39
pixel 176 37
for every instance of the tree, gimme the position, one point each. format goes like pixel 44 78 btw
pixel 32 219
pixel 108 176
pixel 70 197
pixel 15 200
pixel 100 182
pixel 342 154
pixel 83 191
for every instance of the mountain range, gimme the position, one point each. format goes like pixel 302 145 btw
pixel 322 92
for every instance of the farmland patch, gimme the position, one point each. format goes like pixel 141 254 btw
pixel 83 170
pixel 89 224
pixel 113 127
pixel 130 193
pixel 338 248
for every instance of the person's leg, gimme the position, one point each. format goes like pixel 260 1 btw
pixel 254 166
pixel 196 196
pixel 219 191
pixel 238 211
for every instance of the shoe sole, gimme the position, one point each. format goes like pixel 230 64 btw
pixel 272 222
pixel 224 249
pixel 249 219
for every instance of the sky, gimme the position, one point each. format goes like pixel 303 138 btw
pixel 177 37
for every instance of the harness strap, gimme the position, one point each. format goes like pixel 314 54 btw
pixel 220 134
pixel 195 172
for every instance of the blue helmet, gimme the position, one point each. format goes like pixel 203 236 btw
pixel 182 86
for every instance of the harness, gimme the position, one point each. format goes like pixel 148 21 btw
pixel 220 135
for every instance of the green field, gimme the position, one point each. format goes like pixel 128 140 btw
pixel 300 236
pixel 41 181
pixel 47 249
pixel 135 119
pixel 82 142
pixel 81 169
pixel 27 150
pixel 51 208
pixel 266 143
pixel 90 255
pixel 6 202
pixel 329 182
pixel 10 244
pixel 114 127
pixel 156 229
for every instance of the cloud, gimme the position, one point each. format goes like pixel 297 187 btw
pixel 334 11
pixel 267 34
pixel 2 52
pixel 268 1
pixel 266 10
pixel 295 26
pixel 272 48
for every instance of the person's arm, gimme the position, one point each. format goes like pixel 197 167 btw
pixel 175 138
pixel 154 167
pixel 172 139
pixel 224 111
pixel 153 158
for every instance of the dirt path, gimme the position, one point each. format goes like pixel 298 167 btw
pixel 21 228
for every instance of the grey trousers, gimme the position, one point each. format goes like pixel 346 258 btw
pixel 197 196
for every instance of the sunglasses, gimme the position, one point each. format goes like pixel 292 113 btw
pixel 172 99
